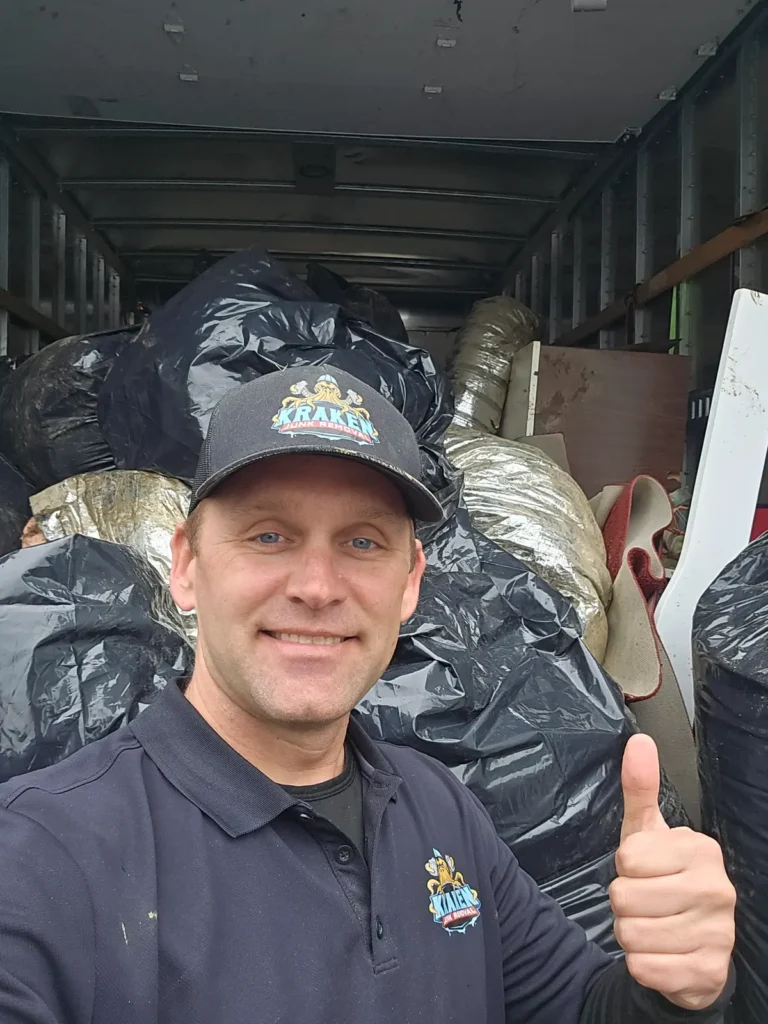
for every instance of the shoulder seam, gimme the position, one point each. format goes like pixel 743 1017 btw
pixel 31 786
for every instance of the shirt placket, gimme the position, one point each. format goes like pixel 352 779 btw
pixel 347 864
pixel 382 790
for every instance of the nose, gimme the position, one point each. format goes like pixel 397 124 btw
pixel 314 577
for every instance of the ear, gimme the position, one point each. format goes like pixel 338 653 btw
pixel 413 586
pixel 183 564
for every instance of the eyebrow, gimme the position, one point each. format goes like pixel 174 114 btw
pixel 363 512
pixel 374 512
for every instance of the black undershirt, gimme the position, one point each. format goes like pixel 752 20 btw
pixel 339 800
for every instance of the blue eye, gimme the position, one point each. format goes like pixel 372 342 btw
pixel 363 544
pixel 268 538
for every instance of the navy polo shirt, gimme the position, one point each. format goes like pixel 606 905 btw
pixel 156 877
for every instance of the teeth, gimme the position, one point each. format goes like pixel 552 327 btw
pixel 302 638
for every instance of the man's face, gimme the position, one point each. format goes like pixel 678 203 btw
pixel 301 572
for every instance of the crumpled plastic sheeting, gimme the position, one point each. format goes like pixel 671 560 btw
pixel 481 362
pixel 247 316
pixel 122 506
pixel 491 678
pixel 49 414
pixel 524 502
pixel 88 635
pixel 358 300
pixel 730 644
pixel 14 506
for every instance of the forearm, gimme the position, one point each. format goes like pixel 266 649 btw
pixel 616 996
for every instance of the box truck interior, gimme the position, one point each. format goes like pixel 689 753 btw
pixel 567 150
pixel 603 161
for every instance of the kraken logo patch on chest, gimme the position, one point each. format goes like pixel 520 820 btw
pixel 453 903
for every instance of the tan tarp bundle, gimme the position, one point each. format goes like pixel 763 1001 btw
pixel 524 502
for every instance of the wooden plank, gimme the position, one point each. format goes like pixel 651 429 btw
pixel 621 413
pixel 744 232
pixel 23 311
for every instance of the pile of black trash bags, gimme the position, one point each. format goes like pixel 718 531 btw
pixel 490 675
pixel 730 638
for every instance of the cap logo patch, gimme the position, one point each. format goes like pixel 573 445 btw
pixel 325 412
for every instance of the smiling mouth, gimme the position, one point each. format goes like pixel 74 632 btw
pixel 306 638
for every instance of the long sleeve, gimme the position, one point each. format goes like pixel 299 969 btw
pixel 548 964
pixel 615 995
pixel 47 956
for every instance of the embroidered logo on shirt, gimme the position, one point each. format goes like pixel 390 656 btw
pixel 454 904
pixel 325 412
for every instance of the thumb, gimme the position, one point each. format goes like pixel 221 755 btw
pixel 640 783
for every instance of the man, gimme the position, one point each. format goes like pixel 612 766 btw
pixel 242 852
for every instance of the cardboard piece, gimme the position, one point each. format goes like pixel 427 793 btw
pixel 552 445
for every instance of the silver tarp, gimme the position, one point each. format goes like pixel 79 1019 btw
pixel 124 506
pixel 480 365
pixel 519 498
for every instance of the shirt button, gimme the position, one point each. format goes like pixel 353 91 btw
pixel 379 929
pixel 344 854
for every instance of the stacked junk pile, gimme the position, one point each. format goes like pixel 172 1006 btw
pixel 730 651
pixel 99 438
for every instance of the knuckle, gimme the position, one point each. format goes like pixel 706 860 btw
pixel 704 847
pixel 732 896
pixel 723 894
pixel 709 970
pixel 682 833
pixel 711 845
pixel 630 854
pixel 623 932
pixel 642 969
pixel 635 844
pixel 717 974
pixel 619 896
pixel 716 938
pixel 715 889
pixel 691 845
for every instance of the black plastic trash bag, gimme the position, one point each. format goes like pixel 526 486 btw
pixel 730 645
pixel 245 317
pixel 491 678
pixel 49 412
pixel 88 633
pixel 358 300
pixel 14 506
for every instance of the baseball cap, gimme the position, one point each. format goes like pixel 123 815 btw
pixel 313 410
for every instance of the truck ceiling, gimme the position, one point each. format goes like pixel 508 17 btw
pixel 495 69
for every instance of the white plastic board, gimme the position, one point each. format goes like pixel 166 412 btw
pixel 728 480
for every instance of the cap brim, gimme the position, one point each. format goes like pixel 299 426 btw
pixel 420 501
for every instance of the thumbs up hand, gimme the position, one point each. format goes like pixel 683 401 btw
pixel 673 902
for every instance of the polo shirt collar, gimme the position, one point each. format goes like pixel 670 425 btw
pixel 210 773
